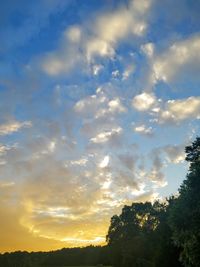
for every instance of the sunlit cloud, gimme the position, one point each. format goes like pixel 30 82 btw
pixel 144 101
pixel 181 57
pixel 181 109
pixel 142 129
pixel 81 45
pixel 148 49
pixel 104 163
pixel 14 126
pixel 105 136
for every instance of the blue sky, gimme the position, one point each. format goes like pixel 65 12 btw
pixel 98 100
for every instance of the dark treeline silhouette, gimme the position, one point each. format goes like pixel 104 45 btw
pixel 86 256
pixel 161 234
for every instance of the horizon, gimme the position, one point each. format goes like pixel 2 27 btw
pixel 98 101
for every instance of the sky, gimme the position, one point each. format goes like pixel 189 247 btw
pixel 98 100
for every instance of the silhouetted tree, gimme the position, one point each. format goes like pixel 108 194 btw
pixel 130 235
pixel 185 212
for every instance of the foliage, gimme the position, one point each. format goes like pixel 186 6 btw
pixel 185 213
pixel 140 236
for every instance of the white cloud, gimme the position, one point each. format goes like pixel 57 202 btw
pixel 14 126
pixel 98 47
pixel 52 146
pixel 115 74
pixel 96 69
pixel 80 162
pixel 179 110
pixel 104 163
pixel 116 26
pixel 115 105
pixel 67 55
pixel 80 45
pixel 148 49
pixel 3 149
pixel 128 71
pixel 90 104
pixel 144 101
pixel 106 136
pixel 99 105
pixel 61 61
pixel 143 129
pixel 171 111
pixel 182 58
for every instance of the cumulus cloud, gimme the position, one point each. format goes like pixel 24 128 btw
pixel 61 61
pixel 171 111
pixel 83 44
pixel 144 101
pixel 116 26
pixel 115 105
pixel 181 58
pixel 107 135
pixel 148 49
pixel 99 105
pixel 179 110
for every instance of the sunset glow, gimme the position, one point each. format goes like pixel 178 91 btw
pixel 98 100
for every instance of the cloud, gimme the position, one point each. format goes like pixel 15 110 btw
pixel 97 69
pixel 156 173
pixel 107 135
pixel 14 126
pixel 73 34
pixel 116 26
pixel 142 129
pixel 148 49
pixel 80 45
pixel 100 105
pixel 144 101
pixel 176 111
pixel 180 61
pixel 80 162
pixel 171 111
pixel 104 163
pixel 128 71
pixel 115 105
pixel 175 153
pixel 63 60
pixel 3 149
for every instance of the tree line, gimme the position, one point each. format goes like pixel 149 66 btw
pixel 159 234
